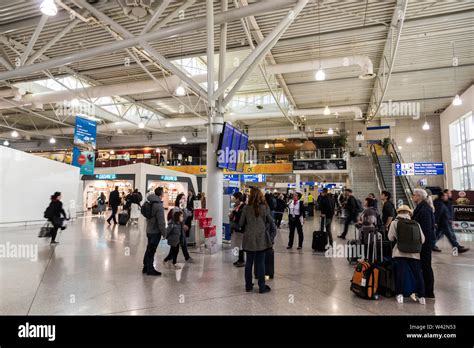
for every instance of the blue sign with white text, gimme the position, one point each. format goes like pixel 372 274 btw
pixel 419 168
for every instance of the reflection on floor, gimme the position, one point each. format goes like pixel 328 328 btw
pixel 96 269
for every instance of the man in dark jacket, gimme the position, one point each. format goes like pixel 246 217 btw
pixel 444 215
pixel 327 205
pixel 352 211
pixel 155 228
pixel 114 202
pixel 388 209
pixel 424 215
pixel 190 201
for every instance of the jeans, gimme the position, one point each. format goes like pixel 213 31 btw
pixel 54 232
pixel 149 258
pixel 295 223
pixel 173 254
pixel 402 264
pixel 428 275
pixel 114 212
pixel 326 226
pixel 257 258
pixel 449 233
pixel 311 209
pixel 350 218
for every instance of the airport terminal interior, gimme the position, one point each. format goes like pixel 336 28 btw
pixel 283 157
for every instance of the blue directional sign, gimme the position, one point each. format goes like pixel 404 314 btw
pixel 419 168
pixel 253 178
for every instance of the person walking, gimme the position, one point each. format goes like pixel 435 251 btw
pixel 311 204
pixel 56 215
pixel 155 228
pixel 406 253
pixel 444 215
pixel 296 216
pixel 174 231
pixel 424 215
pixel 388 210
pixel 102 204
pixel 280 209
pixel 237 234
pixel 327 206
pixel 352 208
pixel 135 205
pixel 257 239
pixel 114 202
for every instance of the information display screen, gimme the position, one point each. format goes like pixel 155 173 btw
pixel 244 142
pixel 233 156
pixel 225 145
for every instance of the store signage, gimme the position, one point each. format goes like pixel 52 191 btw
pixel 270 168
pixel 320 164
pixel 106 176
pixel 253 178
pixel 463 205
pixel 83 154
pixel 168 178
pixel 419 168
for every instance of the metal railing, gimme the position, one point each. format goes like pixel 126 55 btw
pixel 329 153
pixel 396 157
pixel 374 158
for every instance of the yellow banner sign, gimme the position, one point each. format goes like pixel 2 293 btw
pixel 270 168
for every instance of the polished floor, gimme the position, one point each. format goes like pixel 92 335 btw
pixel 96 270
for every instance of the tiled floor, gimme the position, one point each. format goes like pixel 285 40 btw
pixel 96 269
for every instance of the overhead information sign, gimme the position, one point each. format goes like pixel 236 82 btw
pixel 419 168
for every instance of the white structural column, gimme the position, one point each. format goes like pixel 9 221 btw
pixel 297 182
pixel 215 176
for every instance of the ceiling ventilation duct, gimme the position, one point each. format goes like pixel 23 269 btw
pixel 136 9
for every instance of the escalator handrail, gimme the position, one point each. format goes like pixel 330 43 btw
pixel 378 171
pixel 406 184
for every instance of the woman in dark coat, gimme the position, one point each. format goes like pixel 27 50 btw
pixel 56 215
pixel 255 219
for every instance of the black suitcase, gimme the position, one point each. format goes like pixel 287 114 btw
pixel 353 246
pixel 123 218
pixel 386 279
pixel 320 238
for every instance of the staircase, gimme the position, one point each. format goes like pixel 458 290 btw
pixel 363 178
pixel 386 169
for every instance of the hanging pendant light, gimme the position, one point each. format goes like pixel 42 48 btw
pixel 330 131
pixel 327 111
pixel 183 139
pixel 267 145
pixel 409 140
pixel 15 134
pixel 180 91
pixel 457 100
pixel 49 8
pixel 52 141
pixel 141 125
pixel 320 75
pixel 6 143
pixel 426 126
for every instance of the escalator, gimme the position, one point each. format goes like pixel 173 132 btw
pixel 383 169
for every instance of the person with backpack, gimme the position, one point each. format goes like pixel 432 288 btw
pixel 101 204
pixel 56 215
pixel 154 213
pixel 114 202
pixel 257 238
pixel 424 215
pixel 280 209
pixel 174 231
pixel 409 240
pixel 296 216
pixel 353 207
pixel 236 232
pixel 327 206
pixel 388 210
pixel 444 215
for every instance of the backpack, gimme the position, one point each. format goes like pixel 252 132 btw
pixel 147 209
pixel 48 214
pixel 101 201
pixel 358 206
pixel 408 236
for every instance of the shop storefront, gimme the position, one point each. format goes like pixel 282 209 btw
pixel 96 184
pixel 172 185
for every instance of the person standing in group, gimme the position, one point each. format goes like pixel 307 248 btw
pixel 114 202
pixel 327 206
pixel 56 215
pixel 102 204
pixel 375 202
pixel 155 228
pixel 406 253
pixel 280 209
pixel 257 239
pixel 424 215
pixel 352 208
pixel 310 204
pixel 296 216
pixel 135 205
pixel 271 202
pixel 203 200
pixel 180 205
pixel 174 231
pixel 388 210
pixel 444 215
pixel 190 200
pixel 237 233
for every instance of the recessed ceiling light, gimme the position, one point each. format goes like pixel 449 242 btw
pixel 141 125
pixel 48 7
pixel 330 131
pixel 457 101
pixel 327 111
pixel 409 140
pixel 180 91
pixel 52 141
pixel 320 75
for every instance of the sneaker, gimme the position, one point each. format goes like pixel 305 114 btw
pixel 462 249
pixel 341 237
pixel 436 248
pixel 413 297
pixel 249 289
pixel 153 273
pixel 400 298
pixel 240 264
pixel 265 290
pixel 144 270
pixel 288 247
pixel 299 248
pixel 422 300
pixel 235 263
pixel 177 267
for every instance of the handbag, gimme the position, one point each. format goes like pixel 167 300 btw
pixel 45 230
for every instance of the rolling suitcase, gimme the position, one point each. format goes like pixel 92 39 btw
pixel 320 238
pixel 365 280
pixel 352 246
pixel 387 279
pixel 123 218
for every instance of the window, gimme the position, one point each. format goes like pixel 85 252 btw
pixel 461 137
